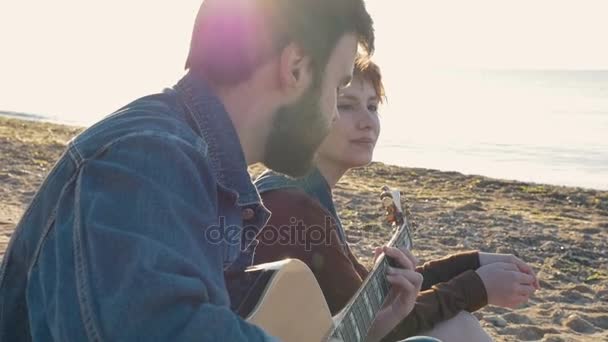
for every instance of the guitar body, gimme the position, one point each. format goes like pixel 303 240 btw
pixel 288 303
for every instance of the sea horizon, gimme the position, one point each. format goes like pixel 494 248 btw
pixel 538 126
pixel 436 157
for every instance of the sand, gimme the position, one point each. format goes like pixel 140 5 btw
pixel 561 231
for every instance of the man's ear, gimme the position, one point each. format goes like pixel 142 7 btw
pixel 295 69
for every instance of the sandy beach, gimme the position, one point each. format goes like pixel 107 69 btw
pixel 561 231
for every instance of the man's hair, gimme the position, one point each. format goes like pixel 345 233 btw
pixel 367 70
pixel 231 38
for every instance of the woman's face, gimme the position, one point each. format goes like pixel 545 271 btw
pixel 353 136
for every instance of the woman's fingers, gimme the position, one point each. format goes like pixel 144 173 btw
pixel 401 283
pixel 410 256
pixel 377 252
pixel 517 301
pixel 405 286
pixel 508 266
pixel 400 258
pixel 525 268
pixel 413 277
pixel 525 290
pixel 524 278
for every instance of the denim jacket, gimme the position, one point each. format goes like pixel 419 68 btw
pixel 132 232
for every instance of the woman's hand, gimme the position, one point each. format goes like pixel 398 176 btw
pixel 506 285
pixel 405 284
pixel 490 258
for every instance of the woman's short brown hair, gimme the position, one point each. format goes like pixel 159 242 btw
pixel 366 69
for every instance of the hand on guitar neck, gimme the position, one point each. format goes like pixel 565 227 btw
pixel 405 284
pixel 401 273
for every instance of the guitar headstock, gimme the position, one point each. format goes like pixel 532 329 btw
pixel 391 201
pixel 395 215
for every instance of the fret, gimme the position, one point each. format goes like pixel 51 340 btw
pixel 353 330
pixel 350 329
pixel 365 322
pixel 346 335
pixel 404 240
pixel 356 315
pixel 340 334
pixel 344 330
pixel 399 240
pixel 368 304
pixel 385 266
pixel 353 322
pixel 377 291
pixel 384 285
pixel 382 280
pixel 358 319
pixel 367 310
pixel 374 294
pixel 368 299
pixel 387 286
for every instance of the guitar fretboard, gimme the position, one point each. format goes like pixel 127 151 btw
pixel 359 314
pixel 358 317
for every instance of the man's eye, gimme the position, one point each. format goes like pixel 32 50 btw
pixel 345 107
pixel 372 108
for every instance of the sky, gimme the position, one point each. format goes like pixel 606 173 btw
pixel 80 60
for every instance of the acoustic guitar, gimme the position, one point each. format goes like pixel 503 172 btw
pixel 287 302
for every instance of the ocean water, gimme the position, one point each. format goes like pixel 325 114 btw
pixel 537 126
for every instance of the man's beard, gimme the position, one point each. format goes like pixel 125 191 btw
pixel 298 130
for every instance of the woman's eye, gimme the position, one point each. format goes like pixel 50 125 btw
pixel 372 108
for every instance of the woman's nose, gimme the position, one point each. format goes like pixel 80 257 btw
pixel 365 120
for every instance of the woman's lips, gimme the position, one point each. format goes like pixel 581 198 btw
pixel 363 142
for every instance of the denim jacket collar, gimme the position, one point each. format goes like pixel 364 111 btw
pixel 224 149
pixel 314 184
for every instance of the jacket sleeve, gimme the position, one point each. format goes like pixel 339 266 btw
pixel 444 269
pixel 300 228
pixel 440 303
pixel 130 258
pixel 450 285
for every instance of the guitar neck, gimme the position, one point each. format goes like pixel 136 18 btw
pixel 355 320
